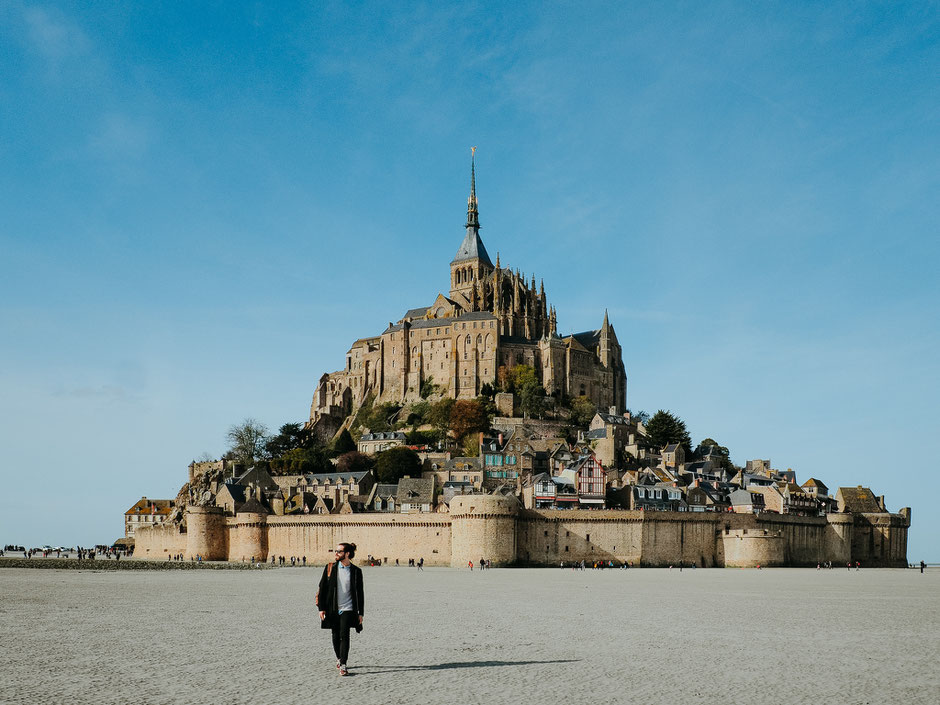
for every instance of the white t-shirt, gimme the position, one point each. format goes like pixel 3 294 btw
pixel 344 588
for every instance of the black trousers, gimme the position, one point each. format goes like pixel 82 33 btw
pixel 344 622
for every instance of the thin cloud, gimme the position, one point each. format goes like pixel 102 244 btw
pixel 121 136
pixel 53 36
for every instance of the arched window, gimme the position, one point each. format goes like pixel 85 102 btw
pixel 468 341
pixel 479 340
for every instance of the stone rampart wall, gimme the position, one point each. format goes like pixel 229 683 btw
pixel 389 537
pixel 499 529
pixel 158 542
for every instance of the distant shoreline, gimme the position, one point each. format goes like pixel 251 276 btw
pixel 124 564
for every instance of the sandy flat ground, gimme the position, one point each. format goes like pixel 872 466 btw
pixel 443 635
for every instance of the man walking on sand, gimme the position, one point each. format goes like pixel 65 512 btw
pixel 340 601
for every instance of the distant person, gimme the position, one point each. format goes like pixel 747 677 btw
pixel 922 566
pixel 482 564
pixel 340 601
pixel 421 563
pixel 470 565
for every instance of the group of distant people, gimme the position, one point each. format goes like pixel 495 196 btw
pixel 484 564
pixel 281 560
pixel 596 565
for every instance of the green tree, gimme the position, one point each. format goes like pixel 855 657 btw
pixel 344 443
pixel 289 436
pixel 247 441
pixel 710 444
pixel 382 417
pixel 532 399
pixel 639 416
pixel 420 438
pixel 354 461
pixel 582 411
pixel 487 390
pixel 393 464
pixel 428 387
pixel 468 416
pixel 302 461
pixel 665 428
pixel 418 414
pixel 439 417
pixel 470 446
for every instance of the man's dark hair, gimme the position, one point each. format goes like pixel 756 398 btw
pixel 350 548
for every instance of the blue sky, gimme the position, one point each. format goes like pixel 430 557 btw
pixel 202 207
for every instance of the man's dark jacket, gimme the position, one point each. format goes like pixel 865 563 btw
pixel 327 594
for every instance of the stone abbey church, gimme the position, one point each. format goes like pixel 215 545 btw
pixel 491 318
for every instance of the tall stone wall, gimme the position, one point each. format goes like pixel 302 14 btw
pixel 553 537
pixel 388 537
pixel 499 529
pixel 158 542
pixel 880 540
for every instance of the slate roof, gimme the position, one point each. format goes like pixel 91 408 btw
pixel 416 312
pixel 813 482
pixel 416 490
pixel 384 489
pixel 614 419
pixel 472 248
pixel 859 500
pixel 384 436
pixel 596 433
pixel 336 477
pixel 143 506
pixel 671 448
pixel 236 491
pixel 741 497
pixel 440 322
pixel 588 339
pixel 254 507
pixel 474 464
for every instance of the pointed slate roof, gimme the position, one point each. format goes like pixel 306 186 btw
pixel 472 248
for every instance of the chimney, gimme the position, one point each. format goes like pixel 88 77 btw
pixel 881 502
pixel 500 439
pixel 613 411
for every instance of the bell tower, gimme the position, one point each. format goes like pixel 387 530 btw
pixel 471 264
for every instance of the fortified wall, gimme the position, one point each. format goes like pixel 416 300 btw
pixel 499 529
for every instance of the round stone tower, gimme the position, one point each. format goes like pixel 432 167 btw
pixel 250 539
pixel 483 526
pixel 838 538
pixel 750 550
pixel 205 533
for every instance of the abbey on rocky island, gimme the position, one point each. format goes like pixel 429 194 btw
pixel 491 318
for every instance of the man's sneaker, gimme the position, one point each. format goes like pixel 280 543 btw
pixel 338 664
pixel 342 670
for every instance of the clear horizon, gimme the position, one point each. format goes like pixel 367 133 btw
pixel 205 206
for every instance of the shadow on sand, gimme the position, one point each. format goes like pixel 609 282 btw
pixel 456 664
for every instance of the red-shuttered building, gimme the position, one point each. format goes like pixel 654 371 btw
pixel 590 482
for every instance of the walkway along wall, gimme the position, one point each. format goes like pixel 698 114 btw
pixel 499 529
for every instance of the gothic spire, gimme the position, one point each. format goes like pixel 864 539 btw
pixel 473 213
